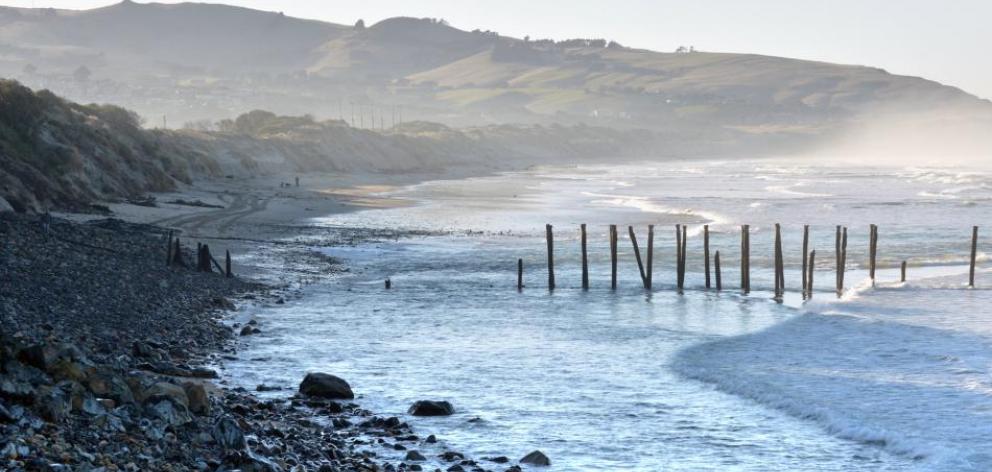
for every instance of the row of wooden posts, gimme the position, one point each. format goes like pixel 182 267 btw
pixel 205 262
pixel 645 266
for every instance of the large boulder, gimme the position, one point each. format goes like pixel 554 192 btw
pixel 228 434
pixel 167 390
pixel 326 386
pixel 105 383
pixel 536 458
pixel 431 408
pixel 199 401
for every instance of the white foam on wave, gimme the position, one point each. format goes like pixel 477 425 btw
pixel 882 365
pixel 790 190
pixel 645 205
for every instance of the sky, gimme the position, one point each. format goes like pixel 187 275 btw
pixel 943 40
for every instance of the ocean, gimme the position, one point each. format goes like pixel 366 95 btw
pixel 890 377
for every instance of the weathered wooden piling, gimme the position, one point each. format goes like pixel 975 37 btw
pixel 389 284
pixel 207 259
pixel 974 256
pixel 685 242
pixel 872 252
pixel 551 256
pixel 843 261
pixel 637 255
pixel 613 257
pixel 706 253
pixel 809 275
pixel 177 253
pixel 520 274
pixel 227 264
pixel 716 268
pixel 650 261
pixel 746 259
pixel 805 258
pixel 585 261
pixel 779 263
pixel 678 257
pixel 903 270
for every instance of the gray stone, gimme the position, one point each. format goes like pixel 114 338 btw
pixel 431 408
pixel 228 434
pixel 326 386
pixel 536 458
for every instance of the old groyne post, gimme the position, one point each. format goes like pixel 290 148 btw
pixel 551 257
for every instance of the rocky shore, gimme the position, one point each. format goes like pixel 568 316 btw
pixel 102 348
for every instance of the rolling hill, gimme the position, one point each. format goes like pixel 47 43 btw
pixel 200 61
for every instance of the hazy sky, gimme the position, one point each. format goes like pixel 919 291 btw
pixel 943 40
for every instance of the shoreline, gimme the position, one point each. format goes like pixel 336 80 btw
pixel 316 432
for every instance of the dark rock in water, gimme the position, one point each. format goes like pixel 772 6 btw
pixel 267 388
pixel 415 456
pixel 455 468
pixel 514 468
pixel 431 439
pixel 326 386
pixel 334 408
pixel 247 331
pixel 451 456
pixel 245 461
pixel 204 373
pixel 431 408
pixel 228 434
pixel 536 458
pixel 498 460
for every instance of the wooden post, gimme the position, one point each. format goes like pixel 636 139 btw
pixel 177 253
pixel 168 251
pixel 974 255
pixel 227 264
pixel 809 276
pixel 389 284
pixel 716 268
pixel 683 252
pixel 199 257
pixel 650 262
pixel 872 252
pixel 637 254
pixel 779 273
pixel 520 274
pixel 551 257
pixel 585 261
pixel 207 259
pixel 805 258
pixel 678 257
pixel 613 257
pixel 903 278
pixel 746 259
pixel 706 253
pixel 843 260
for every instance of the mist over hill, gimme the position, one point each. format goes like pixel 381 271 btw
pixel 187 62
pixel 57 154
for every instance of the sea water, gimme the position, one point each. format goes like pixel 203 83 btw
pixel 894 377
